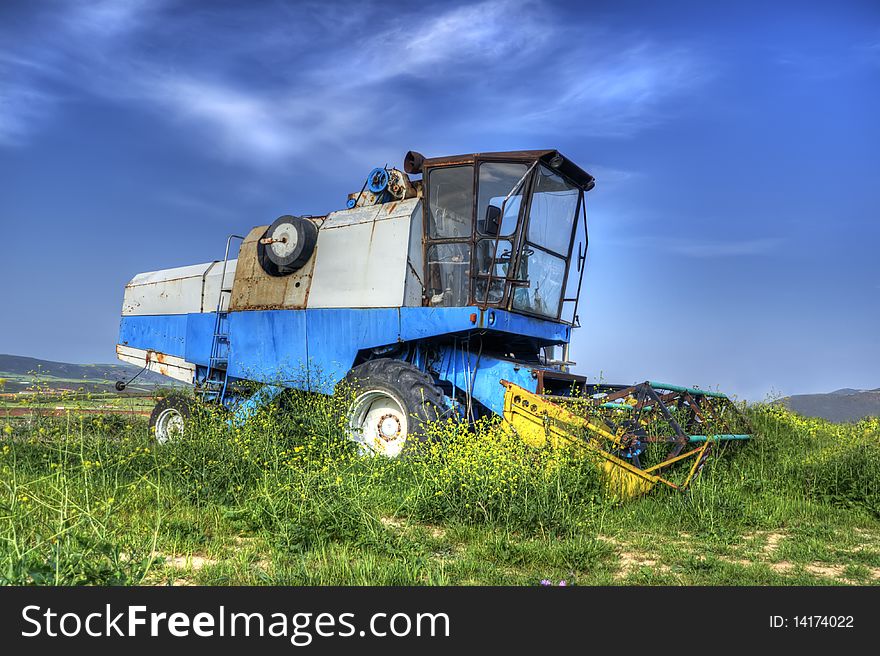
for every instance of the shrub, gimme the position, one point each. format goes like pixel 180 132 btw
pixel 486 474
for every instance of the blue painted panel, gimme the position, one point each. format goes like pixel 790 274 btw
pixel 314 349
pixel 336 335
pixel 519 324
pixel 165 333
pixel 423 322
pixel 199 333
pixel 458 366
pixel 269 346
pixel 306 349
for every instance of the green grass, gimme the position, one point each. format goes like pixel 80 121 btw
pixel 286 500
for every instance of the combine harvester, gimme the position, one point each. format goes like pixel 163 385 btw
pixel 445 295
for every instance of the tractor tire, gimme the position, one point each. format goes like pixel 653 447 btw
pixel 170 417
pixel 393 400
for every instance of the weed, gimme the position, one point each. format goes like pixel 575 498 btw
pixel 93 500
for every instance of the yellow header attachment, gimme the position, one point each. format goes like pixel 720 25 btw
pixel 540 422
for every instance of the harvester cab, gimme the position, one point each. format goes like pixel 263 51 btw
pixel 500 229
pixel 448 288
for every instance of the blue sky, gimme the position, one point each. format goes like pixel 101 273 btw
pixel 734 225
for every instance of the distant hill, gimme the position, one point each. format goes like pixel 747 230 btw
pixel 20 372
pixel 845 404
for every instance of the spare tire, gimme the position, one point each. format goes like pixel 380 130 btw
pixel 293 241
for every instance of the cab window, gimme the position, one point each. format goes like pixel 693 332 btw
pixel 497 180
pixel 450 202
pixel 450 218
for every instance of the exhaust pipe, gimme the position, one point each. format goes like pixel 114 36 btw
pixel 413 162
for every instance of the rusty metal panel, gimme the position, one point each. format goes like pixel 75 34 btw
pixel 254 289
pixel 161 363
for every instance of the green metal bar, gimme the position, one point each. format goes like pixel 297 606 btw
pixel 691 390
pixel 721 438
pixel 622 406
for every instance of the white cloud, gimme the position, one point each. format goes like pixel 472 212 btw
pixel 619 94
pixel 44 67
pixel 25 103
pixel 451 43
pixel 21 107
pixel 609 176
pixel 274 89
pixel 107 19
pixel 243 121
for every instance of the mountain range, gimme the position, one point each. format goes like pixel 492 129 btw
pixel 18 373
pixel 841 405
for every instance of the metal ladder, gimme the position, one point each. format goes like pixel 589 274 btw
pixel 216 379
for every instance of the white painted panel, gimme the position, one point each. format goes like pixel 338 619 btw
pixel 355 215
pixel 370 213
pixel 415 268
pixel 180 290
pixel 167 365
pixel 211 291
pixel 362 264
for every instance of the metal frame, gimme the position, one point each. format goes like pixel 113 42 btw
pixel 610 421
pixel 524 240
pixel 568 170
pixel 582 265
pixel 695 417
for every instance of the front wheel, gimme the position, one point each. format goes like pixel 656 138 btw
pixel 393 399
pixel 170 417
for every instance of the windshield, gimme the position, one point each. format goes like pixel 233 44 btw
pixel 544 258
pixel 497 219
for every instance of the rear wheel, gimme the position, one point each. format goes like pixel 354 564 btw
pixel 393 399
pixel 170 417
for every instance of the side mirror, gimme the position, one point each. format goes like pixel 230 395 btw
pixel 493 220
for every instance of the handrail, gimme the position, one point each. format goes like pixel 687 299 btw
pixel 223 275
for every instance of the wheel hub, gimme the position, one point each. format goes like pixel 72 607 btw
pixel 169 425
pixel 378 422
pixel 389 427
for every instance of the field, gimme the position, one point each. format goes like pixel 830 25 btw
pixel 59 403
pixel 285 500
